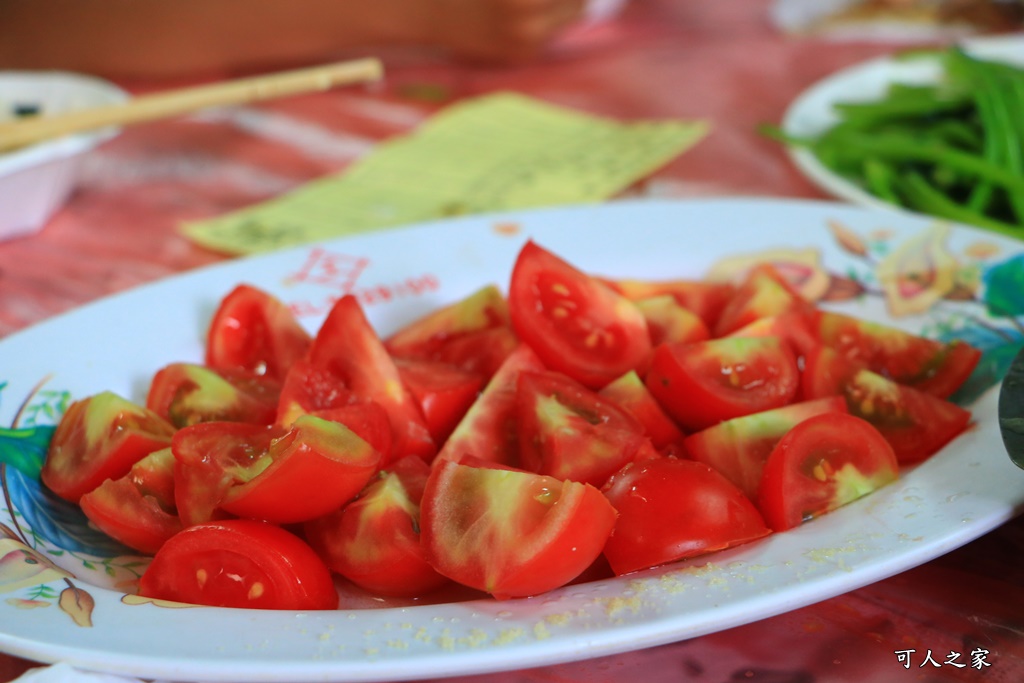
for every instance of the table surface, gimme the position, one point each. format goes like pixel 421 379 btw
pixel 723 61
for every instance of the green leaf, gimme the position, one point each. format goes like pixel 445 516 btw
pixel 25 449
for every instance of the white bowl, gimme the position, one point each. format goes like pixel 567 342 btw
pixel 36 180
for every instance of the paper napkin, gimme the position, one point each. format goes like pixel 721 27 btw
pixel 493 153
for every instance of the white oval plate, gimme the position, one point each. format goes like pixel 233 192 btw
pixel 91 621
pixel 811 113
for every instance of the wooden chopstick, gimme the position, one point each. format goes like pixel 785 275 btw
pixel 33 129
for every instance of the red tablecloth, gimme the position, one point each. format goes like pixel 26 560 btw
pixel 722 61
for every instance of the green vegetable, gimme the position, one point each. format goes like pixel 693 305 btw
pixel 953 149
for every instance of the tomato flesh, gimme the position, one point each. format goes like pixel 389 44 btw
pixel 670 509
pixel 100 437
pixel 374 541
pixel 569 432
pixel 137 509
pixel 576 324
pixel 822 464
pixel 255 332
pixel 705 383
pixel 511 533
pixel 240 563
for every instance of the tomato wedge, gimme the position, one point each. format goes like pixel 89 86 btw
pixel 822 464
pixel 374 541
pixel 488 430
pixel 738 448
pixel 100 437
pixel 137 509
pixel 254 331
pixel 240 563
pixel 917 424
pixel 576 324
pixel 569 432
pixel 631 394
pixel 671 509
pixel 186 393
pixel 704 383
pixel 703 297
pixel 348 347
pixel 937 368
pixel 764 292
pixel 508 532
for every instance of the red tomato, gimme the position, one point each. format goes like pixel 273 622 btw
pixel 705 383
pixel 488 430
pixel 821 464
pixel 137 509
pixel 98 438
pixel 937 368
pixel 764 292
pixel 186 393
pixel 318 466
pixel 473 334
pixel 567 431
pixel 738 448
pixel 240 563
pixel 374 541
pixel 444 392
pixel 511 533
pixel 631 394
pixel 704 298
pixel 309 389
pixel 210 458
pixel 574 323
pixel 668 321
pixel 915 423
pixel 347 346
pixel 254 331
pixel 671 509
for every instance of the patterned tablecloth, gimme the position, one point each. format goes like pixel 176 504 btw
pixel 958 618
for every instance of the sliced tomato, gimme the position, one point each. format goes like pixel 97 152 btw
pixel 569 432
pixel 444 392
pixel 576 324
pixel 280 476
pixel 702 384
pixel 210 458
pixel 703 297
pixel 481 352
pixel 137 509
pixel 738 448
pixel 426 336
pixel 671 509
pixel 916 424
pixel 374 541
pixel 793 327
pixel 511 533
pixel 347 346
pixel 488 430
pixel 254 331
pixel 240 563
pixel 822 464
pixel 100 437
pixel 187 393
pixel 762 293
pixel 631 394
pixel 309 389
pixel 669 321
pixel 938 368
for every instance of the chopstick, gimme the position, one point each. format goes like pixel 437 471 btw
pixel 33 129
